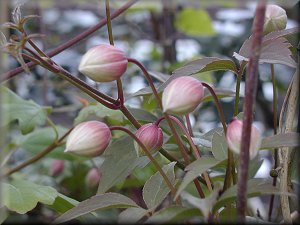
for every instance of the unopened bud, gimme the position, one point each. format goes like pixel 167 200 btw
pixel 88 139
pixel 93 177
pixel 57 166
pixel 103 63
pixel 182 95
pixel 275 19
pixel 234 137
pixel 151 136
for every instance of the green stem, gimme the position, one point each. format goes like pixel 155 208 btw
pixel 156 164
pixel 54 128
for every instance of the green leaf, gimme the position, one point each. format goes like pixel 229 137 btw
pixel 220 92
pixel 26 112
pixel 274 51
pixel 22 196
pixel 38 140
pixel 194 22
pixel 195 169
pixel 173 214
pixel 281 140
pixel 155 189
pixel 219 146
pixel 97 202
pixel 142 115
pixel 120 160
pixel 98 110
pixel 254 166
pixel 132 215
pixel 255 187
pixel 63 203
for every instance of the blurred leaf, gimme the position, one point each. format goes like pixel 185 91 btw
pixel 159 76
pixel 281 140
pixel 22 196
pixel 3 214
pixel 281 33
pixel 142 115
pixel 38 140
pixel 219 146
pixel 274 51
pixel 221 93
pixel 195 169
pixel 201 65
pixel 63 203
pixel 26 112
pixel 132 215
pixel 97 202
pixel 205 140
pixel 255 187
pixel 194 22
pixel 254 166
pixel 155 189
pixel 98 110
pixel 173 214
pixel 120 160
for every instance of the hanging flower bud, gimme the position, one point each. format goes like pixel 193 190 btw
pixel 57 166
pixel 88 139
pixel 103 63
pixel 151 136
pixel 93 177
pixel 275 19
pixel 182 95
pixel 234 137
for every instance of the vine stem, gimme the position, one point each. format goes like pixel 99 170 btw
pixel 275 132
pixel 10 74
pixel 250 93
pixel 41 154
pixel 156 164
pixel 194 148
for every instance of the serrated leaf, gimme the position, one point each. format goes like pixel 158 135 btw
pixel 97 202
pixel 39 139
pixel 274 51
pixel 173 214
pixel 22 196
pixel 132 215
pixel 219 146
pixel 281 140
pixel 255 187
pixel 26 112
pixel 155 189
pixel 120 160
pixel 195 169
pixel 98 110
pixel 187 21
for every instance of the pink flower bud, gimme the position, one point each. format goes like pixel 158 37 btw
pixel 234 137
pixel 88 139
pixel 93 177
pixel 182 95
pixel 275 19
pixel 57 166
pixel 103 63
pixel 151 136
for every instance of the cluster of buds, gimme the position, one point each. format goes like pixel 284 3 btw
pixel 103 63
pixel 234 138
pixel 182 95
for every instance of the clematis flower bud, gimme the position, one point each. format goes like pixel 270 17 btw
pixel 275 19
pixel 92 178
pixel 182 95
pixel 57 166
pixel 151 136
pixel 88 139
pixel 103 63
pixel 234 137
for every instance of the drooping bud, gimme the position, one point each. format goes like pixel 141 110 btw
pixel 88 139
pixel 275 19
pixel 57 166
pixel 92 178
pixel 103 63
pixel 151 136
pixel 182 95
pixel 234 137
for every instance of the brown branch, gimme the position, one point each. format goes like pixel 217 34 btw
pixel 250 93
pixel 71 42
